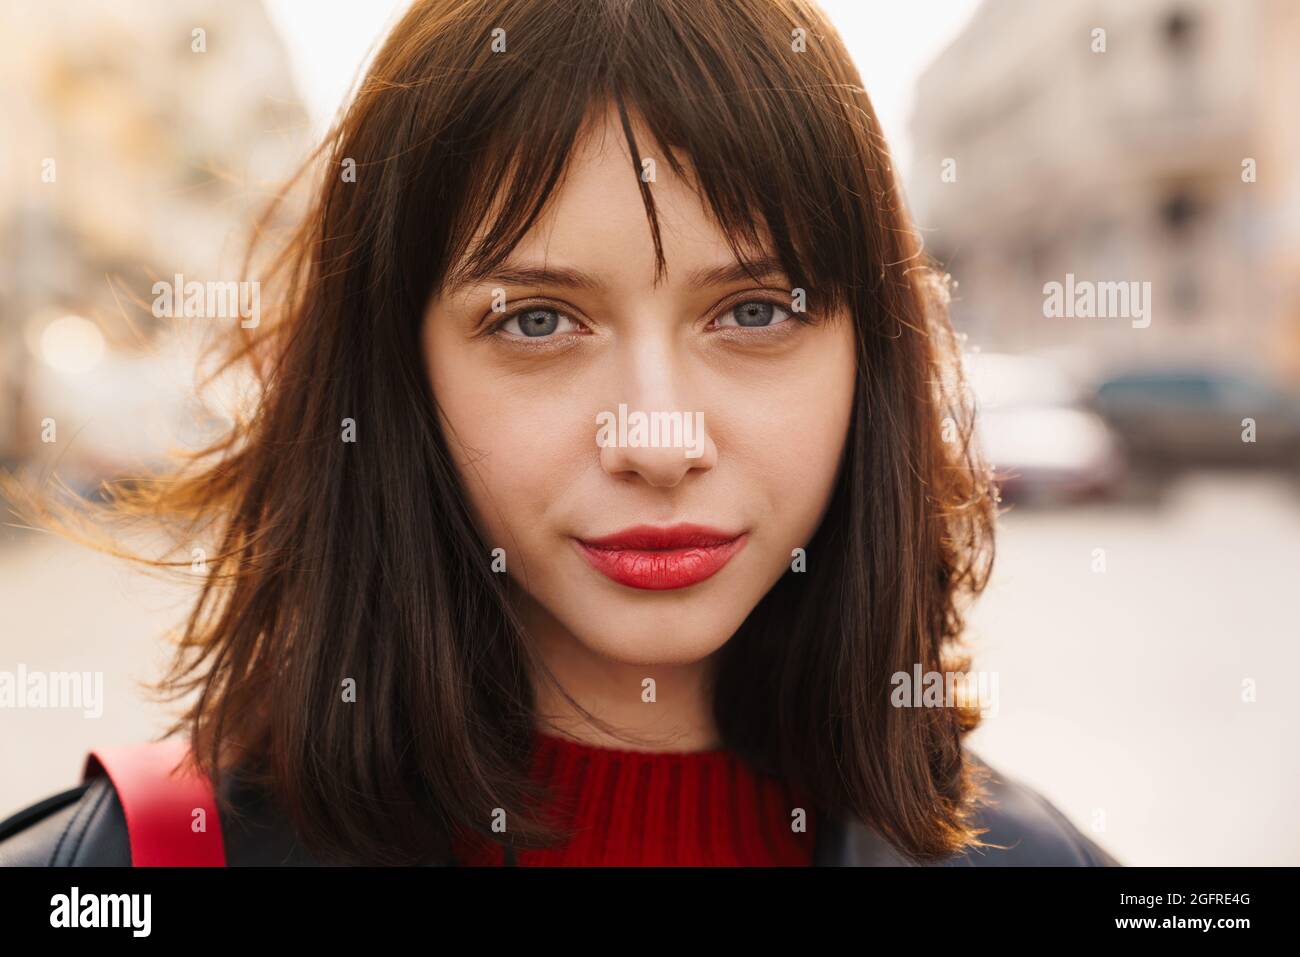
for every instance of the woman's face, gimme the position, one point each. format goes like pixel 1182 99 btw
pixel 650 545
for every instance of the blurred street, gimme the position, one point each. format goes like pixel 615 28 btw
pixel 1121 691
pixel 65 608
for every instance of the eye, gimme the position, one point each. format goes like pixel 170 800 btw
pixel 537 323
pixel 754 313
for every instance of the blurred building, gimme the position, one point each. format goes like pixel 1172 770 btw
pixel 1038 154
pixel 140 141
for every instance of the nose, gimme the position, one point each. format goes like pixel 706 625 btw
pixel 661 446
pixel 653 434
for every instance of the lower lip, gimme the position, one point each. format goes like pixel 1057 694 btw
pixel 661 570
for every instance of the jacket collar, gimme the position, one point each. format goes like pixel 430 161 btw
pixel 843 841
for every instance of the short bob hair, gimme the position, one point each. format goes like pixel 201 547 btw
pixel 334 560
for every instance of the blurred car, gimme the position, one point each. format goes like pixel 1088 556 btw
pixel 1042 444
pixel 1195 416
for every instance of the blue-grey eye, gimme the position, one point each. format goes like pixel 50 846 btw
pixel 538 323
pixel 755 312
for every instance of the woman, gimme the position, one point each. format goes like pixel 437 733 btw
pixel 612 460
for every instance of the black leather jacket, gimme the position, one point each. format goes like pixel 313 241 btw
pixel 84 826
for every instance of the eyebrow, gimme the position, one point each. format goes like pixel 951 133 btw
pixel 762 268
pixel 765 267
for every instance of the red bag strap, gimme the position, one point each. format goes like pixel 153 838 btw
pixel 160 789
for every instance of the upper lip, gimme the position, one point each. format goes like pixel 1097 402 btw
pixel 663 538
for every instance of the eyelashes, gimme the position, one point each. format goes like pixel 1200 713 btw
pixel 748 316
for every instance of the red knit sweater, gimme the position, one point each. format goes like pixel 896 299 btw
pixel 657 808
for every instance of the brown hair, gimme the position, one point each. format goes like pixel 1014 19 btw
pixel 337 560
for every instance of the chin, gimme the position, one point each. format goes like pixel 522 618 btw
pixel 637 632
pixel 633 643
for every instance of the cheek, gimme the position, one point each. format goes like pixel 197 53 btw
pixel 792 438
pixel 514 448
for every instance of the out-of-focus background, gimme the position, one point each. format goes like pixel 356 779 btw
pixel 1142 154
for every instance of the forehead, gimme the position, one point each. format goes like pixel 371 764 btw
pixel 596 219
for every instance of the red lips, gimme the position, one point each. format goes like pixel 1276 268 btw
pixel 661 558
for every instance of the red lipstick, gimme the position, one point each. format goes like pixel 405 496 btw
pixel 661 558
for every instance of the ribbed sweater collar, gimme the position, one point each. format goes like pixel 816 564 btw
pixel 668 808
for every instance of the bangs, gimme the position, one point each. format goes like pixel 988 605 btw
pixel 776 151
